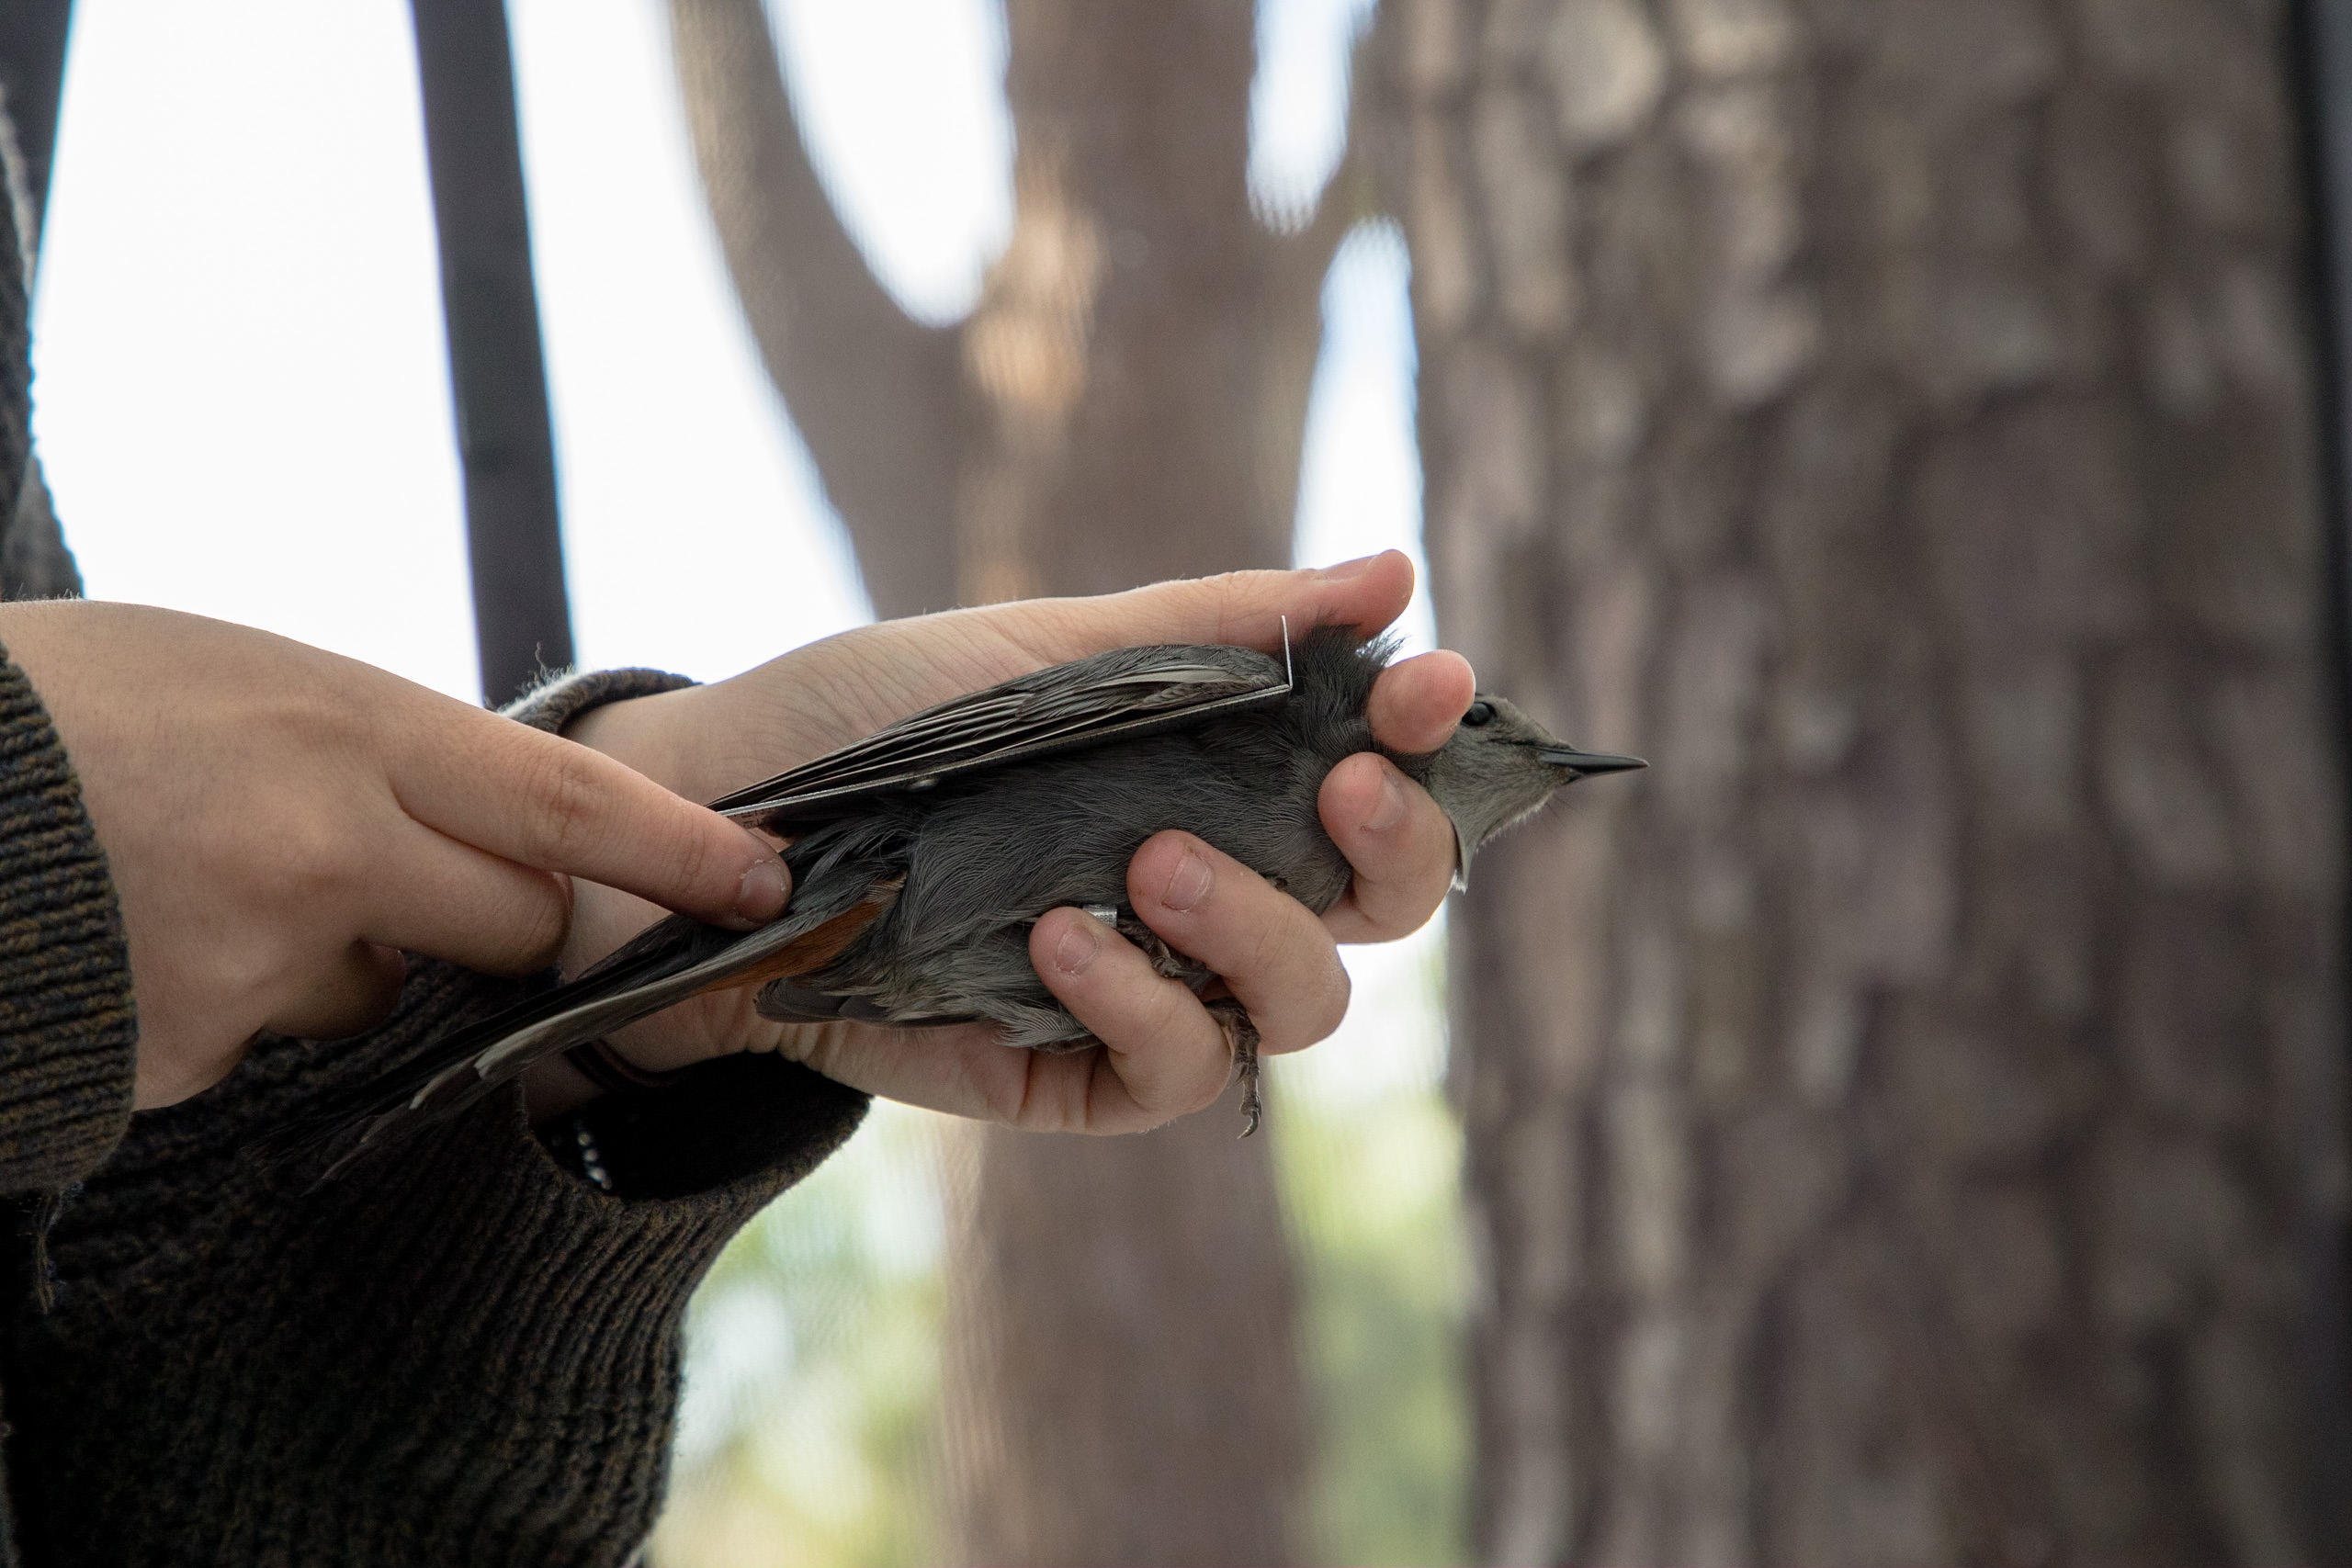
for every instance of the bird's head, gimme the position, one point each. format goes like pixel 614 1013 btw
pixel 1499 766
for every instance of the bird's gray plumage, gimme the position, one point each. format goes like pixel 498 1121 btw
pixel 949 833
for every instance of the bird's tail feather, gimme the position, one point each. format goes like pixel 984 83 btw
pixel 667 963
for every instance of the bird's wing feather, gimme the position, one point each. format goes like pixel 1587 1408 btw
pixel 666 963
pixel 1119 696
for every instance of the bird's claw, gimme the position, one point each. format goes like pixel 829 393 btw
pixel 1242 1036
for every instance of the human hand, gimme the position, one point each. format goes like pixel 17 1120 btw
pixel 281 822
pixel 1163 1054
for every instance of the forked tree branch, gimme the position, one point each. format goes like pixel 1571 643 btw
pixel 1302 259
pixel 874 393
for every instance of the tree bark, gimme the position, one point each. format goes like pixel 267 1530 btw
pixel 1909 1127
pixel 1126 403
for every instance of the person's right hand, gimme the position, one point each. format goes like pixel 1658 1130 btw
pixel 281 822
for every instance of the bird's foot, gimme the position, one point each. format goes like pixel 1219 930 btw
pixel 1166 961
pixel 1242 1036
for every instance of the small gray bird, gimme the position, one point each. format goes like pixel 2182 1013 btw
pixel 922 855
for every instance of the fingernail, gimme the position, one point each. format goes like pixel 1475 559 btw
pixel 1390 810
pixel 1082 940
pixel 760 896
pixel 1187 885
pixel 1346 569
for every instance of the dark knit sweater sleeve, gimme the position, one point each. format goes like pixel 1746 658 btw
pixel 68 1040
pixel 458 1351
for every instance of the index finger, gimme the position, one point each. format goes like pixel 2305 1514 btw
pixel 542 801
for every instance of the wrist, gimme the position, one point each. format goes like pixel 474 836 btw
pixel 652 735
pixel 553 1088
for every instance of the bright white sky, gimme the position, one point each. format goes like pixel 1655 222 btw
pixel 242 393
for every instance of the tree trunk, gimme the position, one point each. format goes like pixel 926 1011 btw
pixel 1909 1127
pixel 1126 403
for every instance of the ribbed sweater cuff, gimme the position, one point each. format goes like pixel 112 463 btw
pixel 566 697
pixel 68 1036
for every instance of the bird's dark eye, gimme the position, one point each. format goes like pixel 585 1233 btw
pixel 1480 713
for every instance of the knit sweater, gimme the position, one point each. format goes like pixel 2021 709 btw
pixel 461 1352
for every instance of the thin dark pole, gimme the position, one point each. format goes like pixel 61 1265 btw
pixel 32 76
pixel 497 371
pixel 2319 43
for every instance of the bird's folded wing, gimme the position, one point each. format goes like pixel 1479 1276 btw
pixel 1120 695
pixel 666 963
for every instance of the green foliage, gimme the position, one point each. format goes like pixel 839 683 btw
pixel 1373 1200
pixel 1369 1160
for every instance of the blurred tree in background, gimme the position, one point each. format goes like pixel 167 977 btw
pixel 1911 1129
pixel 1126 403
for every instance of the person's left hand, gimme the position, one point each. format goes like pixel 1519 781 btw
pixel 1162 1053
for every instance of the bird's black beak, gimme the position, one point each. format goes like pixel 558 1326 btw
pixel 1587 762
